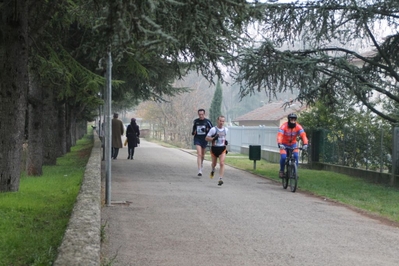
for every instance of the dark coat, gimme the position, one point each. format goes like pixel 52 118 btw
pixel 132 132
pixel 117 133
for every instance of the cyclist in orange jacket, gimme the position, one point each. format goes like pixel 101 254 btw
pixel 286 137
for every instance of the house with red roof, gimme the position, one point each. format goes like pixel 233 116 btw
pixel 271 114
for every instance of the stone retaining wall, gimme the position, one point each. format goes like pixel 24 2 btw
pixel 81 243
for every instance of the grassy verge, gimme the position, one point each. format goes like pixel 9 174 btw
pixel 34 219
pixel 374 199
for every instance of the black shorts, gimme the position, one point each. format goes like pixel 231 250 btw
pixel 202 142
pixel 218 150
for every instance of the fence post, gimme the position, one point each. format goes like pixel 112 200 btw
pixel 316 145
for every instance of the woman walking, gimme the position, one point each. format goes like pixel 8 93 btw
pixel 132 134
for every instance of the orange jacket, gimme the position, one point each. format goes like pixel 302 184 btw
pixel 287 136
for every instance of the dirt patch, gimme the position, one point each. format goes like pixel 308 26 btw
pixel 85 153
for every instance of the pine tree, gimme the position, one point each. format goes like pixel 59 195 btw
pixel 152 43
pixel 216 105
pixel 327 50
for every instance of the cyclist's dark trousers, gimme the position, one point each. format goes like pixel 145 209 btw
pixel 283 157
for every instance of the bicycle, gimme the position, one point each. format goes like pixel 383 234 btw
pixel 291 170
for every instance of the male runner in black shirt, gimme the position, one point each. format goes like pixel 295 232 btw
pixel 201 127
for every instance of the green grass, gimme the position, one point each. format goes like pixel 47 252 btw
pixel 34 219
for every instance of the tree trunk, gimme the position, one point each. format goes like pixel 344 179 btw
pixel 68 130
pixel 13 91
pixel 50 127
pixel 73 126
pixel 82 129
pixel 34 159
pixel 61 127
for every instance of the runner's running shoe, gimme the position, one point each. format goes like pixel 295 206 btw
pixel 211 175
pixel 220 182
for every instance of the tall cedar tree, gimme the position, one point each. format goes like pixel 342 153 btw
pixel 216 105
pixel 318 48
pixel 180 35
pixel 14 49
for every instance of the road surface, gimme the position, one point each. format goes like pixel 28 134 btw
pixel 173 217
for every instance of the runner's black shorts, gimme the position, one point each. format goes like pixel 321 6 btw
pixel 218 150
pixel 202 142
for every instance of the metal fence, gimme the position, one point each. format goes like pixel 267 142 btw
pixel 266 137
pixel 356 148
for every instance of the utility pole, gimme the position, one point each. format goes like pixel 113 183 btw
pixel 108 130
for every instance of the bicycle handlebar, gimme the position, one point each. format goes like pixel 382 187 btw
pixel 290 148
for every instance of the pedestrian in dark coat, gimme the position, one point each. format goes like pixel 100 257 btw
pixel 117 133
pixel 132 134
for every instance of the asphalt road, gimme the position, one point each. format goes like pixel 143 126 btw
pixel 173 217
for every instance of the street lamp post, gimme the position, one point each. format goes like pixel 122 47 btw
pixel 108 131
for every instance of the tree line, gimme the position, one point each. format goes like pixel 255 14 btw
pixel 53 68
pixel 52 60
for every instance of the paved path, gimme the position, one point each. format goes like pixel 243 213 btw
pixel 177 218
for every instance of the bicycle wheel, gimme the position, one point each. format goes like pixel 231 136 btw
pixel 293 177
pixel 285 178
